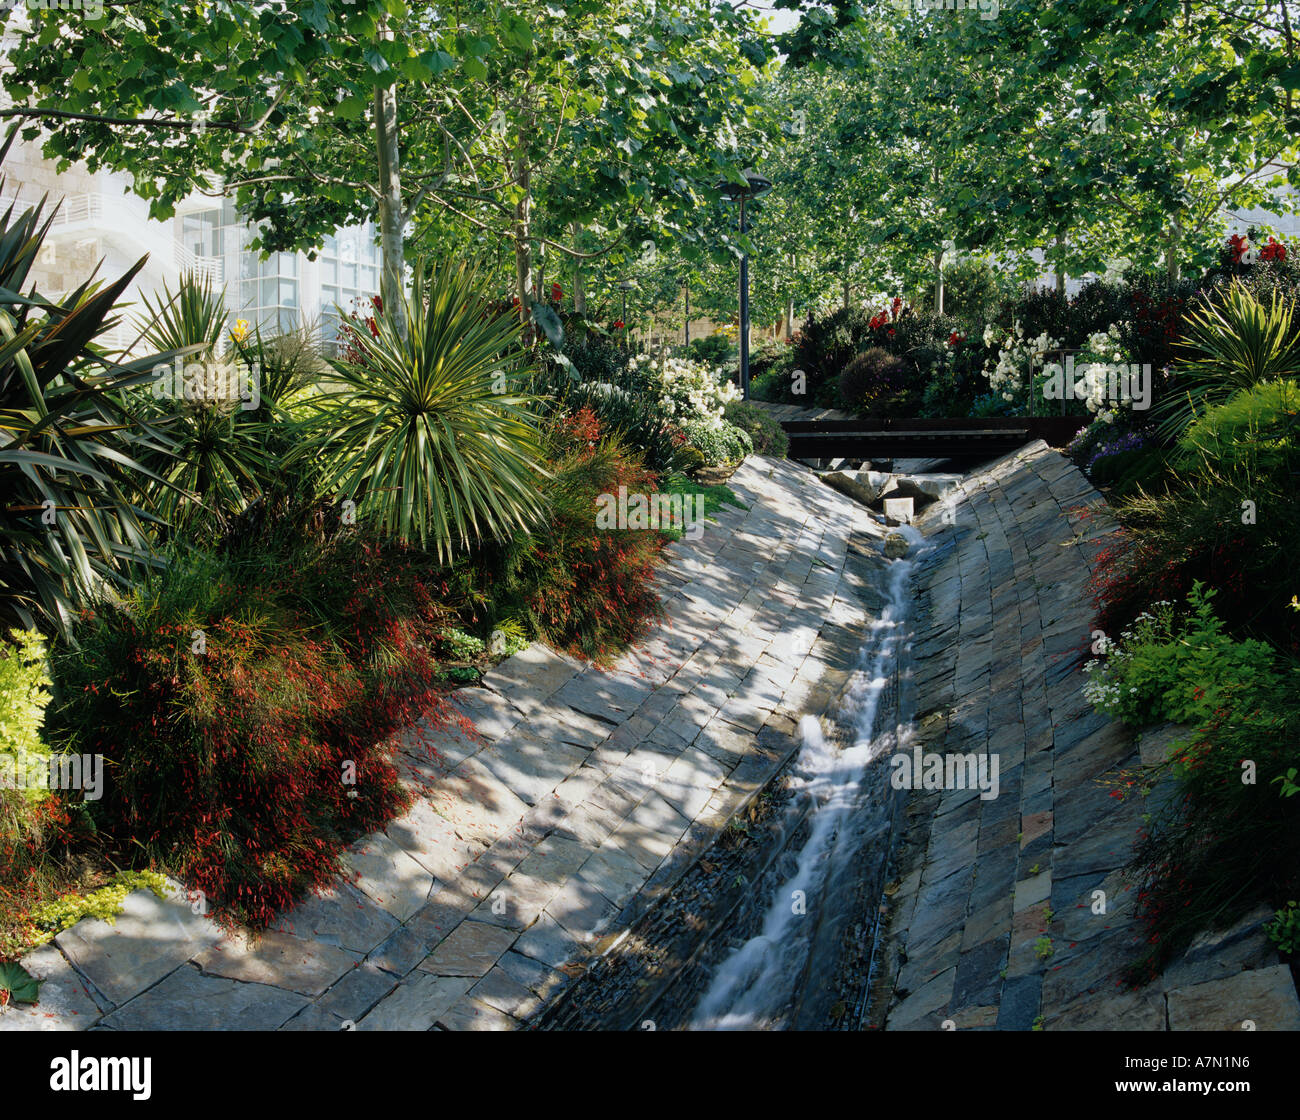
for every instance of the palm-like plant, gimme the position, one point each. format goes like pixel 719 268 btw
pixel 217 455
pixel 193 315
pixel 68 446
pixel 1234 342
pixel 425 433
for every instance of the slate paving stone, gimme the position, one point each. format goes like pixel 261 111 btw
pixel 476 802
pixel 475 1015
pixel 471 949
pixel 342 916
pixel 360 989
pixel 186 1000
pixel 386 874
pixel 530 766
pixel 582 910
pixel 66 1003
pixel 150 938
pixel 1019 1004
pixel 977 981
pixel 491 713
pixel 548 942
pixel 278 959
pixel 501 990
pixel 530 677
pixel 417 1004
pixel 432 841
pixel 535 975
pixel 1264 997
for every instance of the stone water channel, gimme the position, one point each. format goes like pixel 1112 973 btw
pixel 774 927
pixel 622 849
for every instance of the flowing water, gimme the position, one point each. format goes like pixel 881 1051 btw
pixel 815 889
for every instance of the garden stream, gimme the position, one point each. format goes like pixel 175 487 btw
pixel 774 928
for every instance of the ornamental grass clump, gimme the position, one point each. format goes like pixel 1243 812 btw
pixel 586 590
pixel 242 704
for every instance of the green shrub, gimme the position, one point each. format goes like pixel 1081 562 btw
pixel 765 433
pixel 712 350
pixel 1284 929
pixel 70 521
pixel 1232 340
pixel 266 684
pixel 632 415
pixel 24 693
pixel 1171 540
pixel 823 348
pixel 1251 441
pixel 1164 667
pixel 876 383
pixel 1223 839
pixel 586 590
pixel 720 444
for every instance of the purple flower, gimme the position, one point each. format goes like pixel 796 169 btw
pixel 1129 441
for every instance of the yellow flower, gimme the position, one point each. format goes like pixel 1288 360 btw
pixel 239 331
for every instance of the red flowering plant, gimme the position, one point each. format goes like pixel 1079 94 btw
pixel 349 349
pixel 246 707
pixel 585 589
pixel 1244 250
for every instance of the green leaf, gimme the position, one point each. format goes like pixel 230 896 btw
pixel 21 985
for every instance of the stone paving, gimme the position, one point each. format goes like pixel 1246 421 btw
pixel 584 797
pixel 993 925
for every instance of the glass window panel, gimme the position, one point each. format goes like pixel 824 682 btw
pixel 269 292
pixel 247 294
pixel 288 293
pixel 349 276
pixel 288 264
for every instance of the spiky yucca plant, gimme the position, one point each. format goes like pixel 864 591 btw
pixel 1233 341
pixel 427 433
pixel 69 447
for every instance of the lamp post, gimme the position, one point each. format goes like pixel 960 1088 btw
pixel 755 185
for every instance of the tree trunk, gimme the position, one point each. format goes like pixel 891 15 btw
pixel 392 237
pixel 579 295
pixel 938 281
pixel 1060 267
pixel 522 233
pixel 1171 250
pixel 846 283
pixel 789 297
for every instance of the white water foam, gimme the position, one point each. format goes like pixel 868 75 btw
pixel 756 983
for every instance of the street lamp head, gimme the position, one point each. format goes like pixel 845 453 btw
pixel 734 192
pixel 626 285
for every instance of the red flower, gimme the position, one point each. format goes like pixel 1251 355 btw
pixel 618 324
pixel 1274 250
pixel 557 293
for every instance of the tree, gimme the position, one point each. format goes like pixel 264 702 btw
pixel 322 113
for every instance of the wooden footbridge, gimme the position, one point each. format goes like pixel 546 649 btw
pixel 901 438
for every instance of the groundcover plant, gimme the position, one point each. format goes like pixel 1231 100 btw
pixel 651 515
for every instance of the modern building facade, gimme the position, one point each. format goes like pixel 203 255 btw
pixel 99 222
